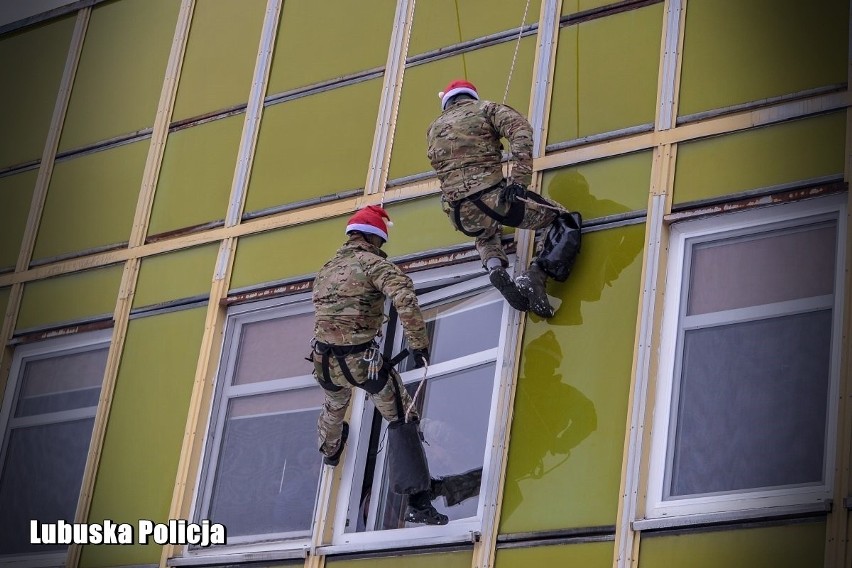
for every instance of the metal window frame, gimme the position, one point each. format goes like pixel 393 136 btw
pixel 683 236
pixel 58 347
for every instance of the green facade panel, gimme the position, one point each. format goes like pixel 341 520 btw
pixel 573 385
pixel 487 68
pixel 141 449
pixel 764 157
pixel 196 175
pixel 574 6
pixel 439 23
pixel 91 201
pixel 314 146
pixel 70 298
pixel 35 58
pixel 342 38
pixel 735 51
pixel 175 276
pixel 792 546
pixel 605 187
pixel 121 70
pixel 606 74
pixel 444 560
pixel 16 194
pixel 420 225
pixel 587 555
pixel 4 299
pixel 220 53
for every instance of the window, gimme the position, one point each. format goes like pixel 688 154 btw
pixel 263 467
pixel 46 418
pixel 458 404
pixel 744 417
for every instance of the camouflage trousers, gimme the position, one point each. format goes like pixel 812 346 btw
pixel 330 423
pixel 488 243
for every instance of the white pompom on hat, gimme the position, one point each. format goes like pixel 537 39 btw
pixel 457 87
pixel 372 219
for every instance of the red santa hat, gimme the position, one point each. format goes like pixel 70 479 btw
pixel 457 87
pixel 372 220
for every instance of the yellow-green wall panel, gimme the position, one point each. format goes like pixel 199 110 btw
pixel 91 201
pixel 486 68
pixel 605 187
pixel 121 70
pixel 573 385
pixel 574 6
pixel 342 37
pixel 314 146
pixel 4 299
pixel 420 225
pixel 69 298
pixel 736 51
pixel 439 23
pixel 606 74
pixel 220 55
pixel 16 193
pixel 32 60
pixel 286 253
pixel 587 555
pixel 196 176
pixel 174 276
pixel 792 546
pixel 444 560
pixel 773 155
pixel 136 475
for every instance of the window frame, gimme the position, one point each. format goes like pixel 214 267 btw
pixel 49 348
pixel 749 503
pixel 457 282
pixel 296 542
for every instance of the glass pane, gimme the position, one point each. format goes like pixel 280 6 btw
pixel 439 23
pixel 17 195
pixel 737 273
pixel 91 201
pixel 31 63
pixel 41 480
pixel 61 383
pixel 454 421
pixel 786 153
pixel 751 412
pixel 118 81
pixel 274 349
pixel 335 34
pixel 606 74
pixel 268 466
pixel 219 62
pixel 763 48
pixel 461 327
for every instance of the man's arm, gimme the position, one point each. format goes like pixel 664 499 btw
pixel 512 125
pixel 397 286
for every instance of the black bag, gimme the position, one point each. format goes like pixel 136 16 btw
pixel 561 246
pixel 408 471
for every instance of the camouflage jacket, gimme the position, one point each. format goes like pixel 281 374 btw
pixel 349 297
pixel 465 149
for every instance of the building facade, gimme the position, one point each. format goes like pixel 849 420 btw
pixel 174 172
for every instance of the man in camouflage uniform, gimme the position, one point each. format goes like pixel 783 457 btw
pixel 464 147
pixel 349 296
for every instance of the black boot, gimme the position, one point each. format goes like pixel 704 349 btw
pixel 501 280
pixel 420 510
pixel 457 488
pixel 334 458
pixel 532 285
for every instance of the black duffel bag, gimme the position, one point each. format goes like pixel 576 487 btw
pixel 561 246
pixel 408 471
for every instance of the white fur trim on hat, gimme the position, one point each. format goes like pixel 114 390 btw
pixel 445 97
pixel 365 228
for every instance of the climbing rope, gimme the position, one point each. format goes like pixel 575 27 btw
pixel 515 56
pixel 417 392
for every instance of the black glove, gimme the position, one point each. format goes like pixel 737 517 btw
pixel 513 190
pixel 421 357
